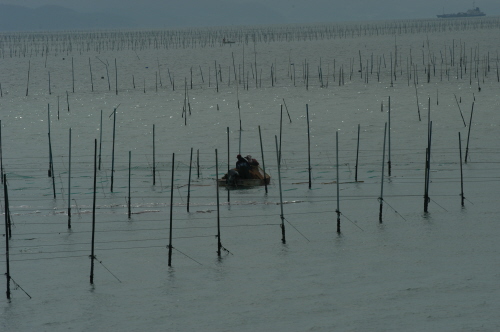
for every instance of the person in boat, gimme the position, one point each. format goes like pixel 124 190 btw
pixel 251 161
pixel 243 167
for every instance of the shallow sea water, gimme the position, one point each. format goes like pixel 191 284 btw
pixel 434 271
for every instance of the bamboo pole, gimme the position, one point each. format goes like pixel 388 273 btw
pixel 219 245
pixel 338 182
pixel 113 151
pixel 357 158
pixel 381 198
pixel 100 141
pixel 263 163
pixel 283 239
pixel 7 262
pixel 171 210
pixel 154 157
pixel 389 137
pixel 189 179
pixel 69 182
pixel 92 256
pixel 228 167
pixel 129 175
pixel 468 135
pixel 461 171
pixel 308 145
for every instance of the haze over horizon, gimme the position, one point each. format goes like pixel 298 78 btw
pixel 75 14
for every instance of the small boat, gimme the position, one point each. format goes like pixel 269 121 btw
pixel 470 13
pixel 256 177
pixel 224 41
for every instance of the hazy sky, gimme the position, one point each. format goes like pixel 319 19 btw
pixel 269 11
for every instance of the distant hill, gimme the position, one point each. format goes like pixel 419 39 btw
pixel 18 18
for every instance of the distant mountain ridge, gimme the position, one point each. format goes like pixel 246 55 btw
pixel 19 18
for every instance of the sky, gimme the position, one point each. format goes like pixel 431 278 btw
pixel 234 12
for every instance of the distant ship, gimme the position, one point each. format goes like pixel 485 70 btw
pixel 470 13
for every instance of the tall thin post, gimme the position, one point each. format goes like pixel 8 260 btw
pixel 154 158
pixel 468 135
pixel 1 154
pixel 381 198
pixel 263 164
pixel 428 169
pixel 461 171
pixel 129 175
pixel 281 131
pixel 308 145
pixel 92 256
pixel 338 184
pixel 69 182
pixel 91 78
pixel 389 136
pixel 228 162
pixel 113 151
pixel 219 245
pixel 100 142
pixel 50 150
pixel 357 158
pixel 52 169
pixel 189 180
pixel 283 239
pixel 171 209
pixel 198 162
pixel 7 274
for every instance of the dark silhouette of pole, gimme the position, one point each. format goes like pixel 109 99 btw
pixel 171 208
pixel 461 171
pixel 219 245
pixel 338 188
pixel 283 239
pixel 308 145
pixel 154 158
pixel 468 135
pixel 129 175
pixel 189 180
pixel 381 198
pixel 92 256
pixel 263 163
pixel 357 158
pixel 7 274
pixel 113 150
pixel 69 182
pixel 100 142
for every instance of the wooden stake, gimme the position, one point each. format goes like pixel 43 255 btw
pixel 461 171
pixel 154 158
pixel 283 239
pixel 357 157
pixel 338 182
pixel 7 262
pixel 92 256
pixel 100 141
pixel 189 180
pixel 308 145
pixel 263 163
pixel 389 137
pixel 113 150
pixel 219 245
pixel 381 198
pixel 171 209
pixel 228 167
pixel 129 175
pixel 468 135
pixel 69 182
